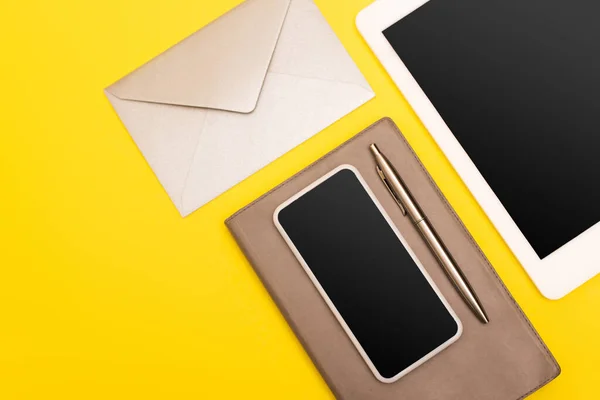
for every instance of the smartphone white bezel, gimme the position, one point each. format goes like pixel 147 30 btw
pixel 328 300
pixel 556 275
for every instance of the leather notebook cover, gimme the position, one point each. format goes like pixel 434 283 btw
pixel 504 360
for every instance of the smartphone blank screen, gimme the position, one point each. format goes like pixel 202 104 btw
pixel 367 273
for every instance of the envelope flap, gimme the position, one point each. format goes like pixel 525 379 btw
pixel 222 66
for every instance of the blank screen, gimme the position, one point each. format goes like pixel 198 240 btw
pixel 518 83
pixel 367 273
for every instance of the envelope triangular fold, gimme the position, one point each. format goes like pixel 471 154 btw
pixel 222 66
pixel 200 144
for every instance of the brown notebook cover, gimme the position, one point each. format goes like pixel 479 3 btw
pixel 504 360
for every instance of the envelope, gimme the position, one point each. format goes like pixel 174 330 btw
pixel 236 95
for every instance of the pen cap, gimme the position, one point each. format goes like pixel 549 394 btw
pixel 396 185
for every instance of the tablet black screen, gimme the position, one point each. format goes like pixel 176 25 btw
pixel 364 269
pixel 518 83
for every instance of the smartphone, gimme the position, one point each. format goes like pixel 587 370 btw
pixel 373 283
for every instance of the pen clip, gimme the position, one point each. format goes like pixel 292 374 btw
pixel 387 185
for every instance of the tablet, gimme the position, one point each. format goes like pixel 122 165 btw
pixel 509 90
pixel 373 283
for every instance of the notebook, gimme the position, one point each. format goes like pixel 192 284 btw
pixel 503 360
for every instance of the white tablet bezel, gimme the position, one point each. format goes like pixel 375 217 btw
pixel 556 275
pixel 328 301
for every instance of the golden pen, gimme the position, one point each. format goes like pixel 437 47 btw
pixel 409 207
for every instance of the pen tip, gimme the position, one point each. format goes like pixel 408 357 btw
pixel 479 311
pixel 483 316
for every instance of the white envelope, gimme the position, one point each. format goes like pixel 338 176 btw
pixel 236 95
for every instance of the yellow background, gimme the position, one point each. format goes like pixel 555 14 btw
pixel 107 293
